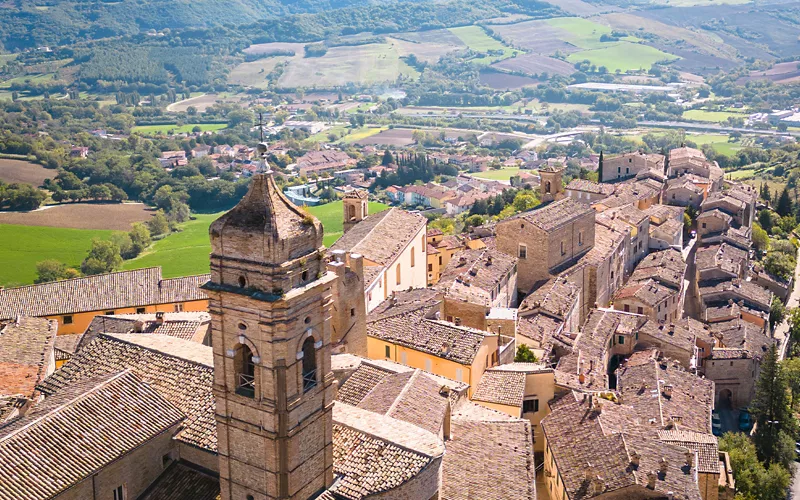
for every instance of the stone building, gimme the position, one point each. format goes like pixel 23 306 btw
pixel 712 223
pixel 551 187
pixel 735 208
pixel 349 311
pixel 720 262
pixel 685 340
pixel 394 248
pixel 629 164
pixel 27 355
pixel 656 287
pixel 686 191
pixel 636 223
pixel 546 240
pixel 587 191
pixel 441 249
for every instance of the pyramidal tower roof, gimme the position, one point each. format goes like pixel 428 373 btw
pixel 265 227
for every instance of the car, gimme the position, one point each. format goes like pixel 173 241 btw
pixel 715 417
pixel 716 428
pixel 745 422
pixel 797 451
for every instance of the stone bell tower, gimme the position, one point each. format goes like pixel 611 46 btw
pixel 550 188
pixel 355 207
pixel 270 301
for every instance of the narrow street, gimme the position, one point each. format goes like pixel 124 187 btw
pixel 782 330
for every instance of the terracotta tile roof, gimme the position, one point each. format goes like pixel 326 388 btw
pixel 410 328
pixel 26 351
pixel 489 460
pixel 680 334
pixel 360 383
pixel 139 287
pixel 716 213
pixel 382 237
pixel 179 370
pixel 183 482
pixel 11 407
pixel 182 325
pixel 552 215
pixel 501 387
pixel 594 442
pixel 590 187
pixel 685 152
pixel 38 462
pixel 667 395
pixel 705 445
pixel 66 345
pixel 740 334
pixel 476 275
pixel 540 328
pixel 723 256
pixel 556 297
pixel 753 295
pixel 649 292
pixel 412 397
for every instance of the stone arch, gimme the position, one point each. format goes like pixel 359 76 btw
pixel 725 398
pixel 547 187
pixel 244 367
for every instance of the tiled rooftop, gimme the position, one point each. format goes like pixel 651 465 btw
pixel 26 351
pixel 489 460
pixel 555 214
pixel 680 334
pixel 118 290
pixel 475 275
pixel 740 334
pixel 744 290
pixel 179 370
pixel 501 387
pixel 383 236
pixel 556 297
pixel 38 462
pixel 705 445
pixel 182 325
pixel 182 482
pixel 590 187
pixel 648 291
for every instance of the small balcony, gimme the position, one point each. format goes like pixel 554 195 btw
pixel 309 380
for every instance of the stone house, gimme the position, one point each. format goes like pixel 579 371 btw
pixel 394 248
pixel 440 251
pixel 27 356
pixel 734 207
pixel 75 302
pixel 587 191
pixel 636 223
pixel 683 191
pixel 547 240
pixel 746 293
pixel 629 164
pixel 685 340
pixel 720 261
pixel 548 312
pixel 712 223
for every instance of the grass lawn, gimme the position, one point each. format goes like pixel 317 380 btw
pixel 27 245
pixel 331 216
pixel 363 133
pixel 504 174
pixel 180 254
pixel 582 32
pixel 740 174
pixel 703 115
pixel 476 39
pixel 254 73
pixel 623 56
pixel 164 129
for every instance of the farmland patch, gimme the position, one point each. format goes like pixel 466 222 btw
pixel 107 216
pixel 24 172
pixel 534 64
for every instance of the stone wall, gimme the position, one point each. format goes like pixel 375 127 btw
pixel 736 377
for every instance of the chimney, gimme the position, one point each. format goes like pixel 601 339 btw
pixel 667 390
pixel 445 348
pixel 138 326
pixel 651 480
pixel 339 255
pixel 489 260
pixel 635 458
pixel 662 466
pixel 457 321
pixel 160 318
pixel 357 264
pixel 598 485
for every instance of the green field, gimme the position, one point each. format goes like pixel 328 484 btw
pixel 740 174
pixel 504 174
pixel 624 56
pixel 331 216
pixel 186 252
pixel 180 254
pixel 581 32
pixel 361 64
pixel 26 245
pixel 254 73
pixel 476 39
pixel 703 115
pixel 183 129
pixel 363 133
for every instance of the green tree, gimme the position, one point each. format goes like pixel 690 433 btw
pixel 770 408
pixel 387 158
pixel 53 270
pixel 776 312
pixel 125 244
pixel 525 355
pixel 179 212
pixel 753 480
pixel 791 367
pixel 794 324
pixel 784 206
pixel 780 264
pixel 524 201
pixel 140 237
pixel 760 237
pixel 104 257
pixel 158 224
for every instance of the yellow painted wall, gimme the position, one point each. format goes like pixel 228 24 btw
pixel 81 321
pixel 470 374
pixel 514 411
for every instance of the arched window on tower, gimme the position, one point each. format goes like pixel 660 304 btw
pixel 352 210
pixel 547 187
pixel 245 372
pixel 309 364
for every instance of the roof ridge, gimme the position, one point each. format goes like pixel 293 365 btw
pixel 658 393
pixel 57 409
pixel 405 389
pixel 114 337
pixel 85 277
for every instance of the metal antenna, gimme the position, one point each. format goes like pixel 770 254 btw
pixel 261 126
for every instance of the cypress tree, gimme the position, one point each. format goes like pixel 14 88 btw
pixel 784 206
pixel 600 168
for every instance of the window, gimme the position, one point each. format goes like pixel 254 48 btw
pixel 304 276
pixel 563 248
pixel 440 260
pixel 627 308
pixel 523 251
pixel 413 256
pixel 140 310
pixel 242 282
pixel 430 268
pixel 309 364
pixel 612 275
pixel 67 320
pixel 178 308
pixel 621 340
pixel 639 310
pixel 245 372
pixel 530 406
pixel 459 375
pixel 352 311
pixel 428 365
pixel 403 358
pixel 119 493
pixel 388 351
pixel 619 169
pixel 580 238
pixel 704 225
pixel 109 313
pixel 397 272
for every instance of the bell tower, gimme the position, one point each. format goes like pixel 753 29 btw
pixel 550 188
pixel 270 304
pixel 355 208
